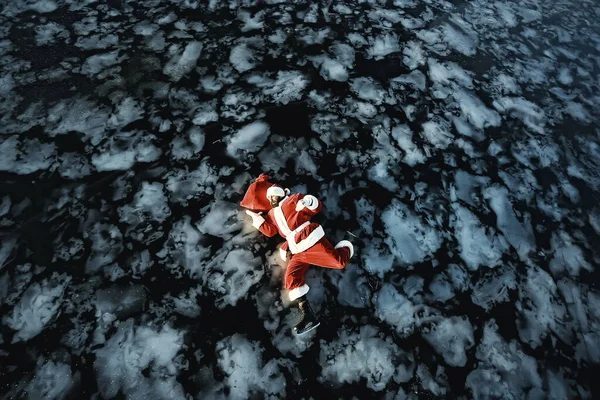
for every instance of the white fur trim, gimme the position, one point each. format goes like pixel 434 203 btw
pixel 346 243
pixel 281 222
pixel 283 254
pixel 310 202
pixel 299 206
pixel 306 243
pixel 275 191
pixel 257 221
pixel 299 292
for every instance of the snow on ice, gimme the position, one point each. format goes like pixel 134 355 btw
pixel 410 240
pixel 456 144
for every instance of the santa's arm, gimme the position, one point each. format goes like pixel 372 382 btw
pixel 309 204
pixel 263 224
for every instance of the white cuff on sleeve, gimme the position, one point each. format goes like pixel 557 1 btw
pixel 283 254
pixel 299 292
pixel 257 221
pixel 310 202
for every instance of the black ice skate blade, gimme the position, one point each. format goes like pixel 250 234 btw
pixel 312 328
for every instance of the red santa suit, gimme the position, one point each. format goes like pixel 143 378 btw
pixel 304 239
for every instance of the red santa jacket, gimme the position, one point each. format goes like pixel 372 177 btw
pixel 291 219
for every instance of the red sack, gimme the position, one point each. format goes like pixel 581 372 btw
pixel 256 195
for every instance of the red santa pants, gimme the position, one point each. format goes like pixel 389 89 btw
pixel 322 254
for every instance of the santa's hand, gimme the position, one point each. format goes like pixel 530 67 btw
pixel 257 219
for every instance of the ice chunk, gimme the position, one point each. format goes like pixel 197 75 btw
pixel 47 33
pixel 466 185
pixel 39 6
pixel 594 220
pixel 357 40
pixel 51 380
pixel 518 234
pixel 331 69
pixel 529 113
pixel 344 54
pixel 361 110
pixel 205 113
pixel 451 338
pixel 377 257
pixel 306 165
pixel 414 56
pixel 251 21
pixel 242 58
pixel 185 186
pixel 403 136
pixel 186 148
pixel 149 200
pixel 368 89
pixel 541 309
pixel 365 214
pixel 140 263
pixel 438 133
pixel 353 287
pixel 231 274
pixel 503 369
pixel 459 40
pixel 415 79
pixel 441 289
pixel 184 249
pixel 98 62
pixel 494 287
pixel 141 362
pixel 114 161
pixel 288 87
pixel 5 204
pixel 33 155
pixel 80 115
pixel 248 139
pixel 186 303
pixel 567 256
pixel 124 302
pixel 246 375
pixel 127 111
pixel 74 166
pixel 36 308
pixel 383 45
pixel 505 84
pixel 97 41
pixel 181 65
pixel 395 309
pixel 445 73
pixel 437 385
pixel 223 220
pixel 409 239
pixel 106 245
pixel 7 245
pixel 356 356
pixel 475 111
pixel 477 247
pixel 584 309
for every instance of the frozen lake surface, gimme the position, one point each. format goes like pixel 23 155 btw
pixel 457 140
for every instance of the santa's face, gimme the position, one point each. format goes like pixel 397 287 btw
pixel 274 200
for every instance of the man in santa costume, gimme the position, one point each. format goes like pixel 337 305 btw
pixel 290 216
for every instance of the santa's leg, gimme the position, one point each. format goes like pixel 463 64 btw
pixel 295 283
pixel 323 254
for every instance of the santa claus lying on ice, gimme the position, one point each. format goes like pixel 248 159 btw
pixel 274 210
